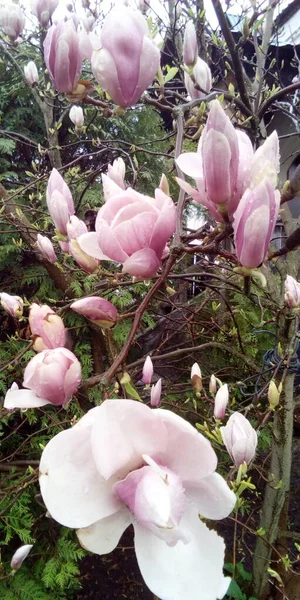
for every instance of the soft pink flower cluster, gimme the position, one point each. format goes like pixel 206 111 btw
pixel 124 463
pixel 236 184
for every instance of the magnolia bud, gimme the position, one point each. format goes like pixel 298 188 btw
pixel 20 555
pixel 31 73
pixel 97 309
pixel 190 46
pixel 155 394
pixel 196 378
pixel 147 371
pixel 221 401
pixel 45 247
pixel 292 292
pixel 76 116
pixel 13 305
pixel 213 384
pixel 273 394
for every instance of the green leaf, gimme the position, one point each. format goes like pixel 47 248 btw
pixel 170 74
pixel 234 591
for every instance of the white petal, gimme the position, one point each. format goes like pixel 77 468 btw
pixel 23 399
pixel 73 490
pixel 190 571
pixel 103 536
pixel 211 497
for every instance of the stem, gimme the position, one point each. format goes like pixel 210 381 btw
pixel 277 489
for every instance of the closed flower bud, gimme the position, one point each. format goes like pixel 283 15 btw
pixel 63 56
pixel 273 395
pixel 292 292
pixel 43 10
pixel 196 378
pixel 97 309
pixel 213 384
pixel 202 76
pixel 13 305
pixel 155 395
pixel 221 401
pixel 76 116
pixel 59 201
pixel 85 262
pixel 116 172
pixel 239 438
pixel 190 45
pixel 147 371
pixel 20 555
pixel 31 73
pixel 12 20
pixel 45 247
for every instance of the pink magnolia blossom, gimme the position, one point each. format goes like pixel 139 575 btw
pixel 75 228
pixel 221 401
pixel 126 59
pixel 20 555
pixel 222 183
pixel 59 201
pixel 99 310
pixel 45 247
pixel 13 305
pixel 76 116
pixel 12 20
pixel 124 463
pixel 116 172
pixel 190 45
pixel 52 377
pixel 31 73
pixel 47 327
pixel 254 223
pixel 132 229
pixel 147 371
pixel 292 292
pixel 43 10
pixel 202 75
pixel 63 56
pixel 155 394
pixel 239 438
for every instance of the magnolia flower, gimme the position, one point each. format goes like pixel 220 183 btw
pixel 212 384
pixel 126 59
pixel 63 56
pixel 273 395
pixel 221 401
pixel 52 377
pixel 196 377
pixel 155 394
pixel 31 73
pixel 59 201
pixel 254 223
pixel 124 463
pixel 99 310
pixel 239 438
pixel 116 172
pixel 292 292
pixel 76 116
pixel 47 327
pixel 147 371
pixel 222 183
pixel 45 247
pixel 12 20
pixel 202 76
pixel 43 10
pixel 75 228
pixel 20 555
pixel 13 305
pixel 132 229
pixel 190 45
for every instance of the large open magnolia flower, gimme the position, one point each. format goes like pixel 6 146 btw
pixel 123 464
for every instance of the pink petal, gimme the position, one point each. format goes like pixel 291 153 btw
pixel 109 242
pixel 103 536
pixel 23 399
pixel 122 432
pixel 88 242
pixel 143 263
pixel 72 488
pixel 191 164
pixel 135 234
pixel 217 172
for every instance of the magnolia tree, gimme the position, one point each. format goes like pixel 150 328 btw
pixel 140 196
